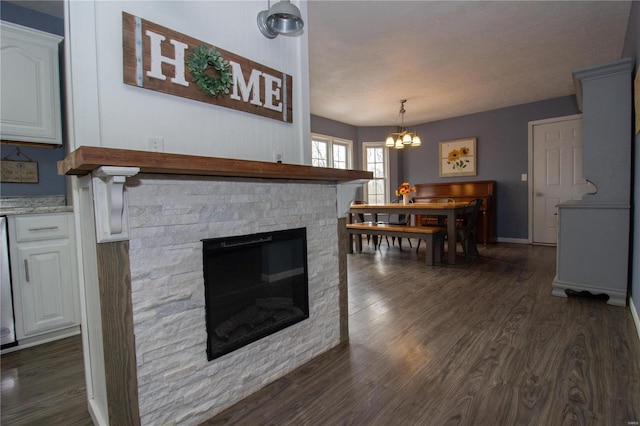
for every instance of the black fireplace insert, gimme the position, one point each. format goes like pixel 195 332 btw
pixel 254 285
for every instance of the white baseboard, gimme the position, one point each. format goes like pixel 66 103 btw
pixel 513 240
pixel 634 314
pixel 42 339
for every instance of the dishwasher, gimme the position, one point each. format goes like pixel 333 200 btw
pixel 7 323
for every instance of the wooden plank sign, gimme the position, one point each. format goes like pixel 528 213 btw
pixel 156 58
pixel 18 171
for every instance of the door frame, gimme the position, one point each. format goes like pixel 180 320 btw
pixel 530 177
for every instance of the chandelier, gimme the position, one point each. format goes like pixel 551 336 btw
pixel 402 137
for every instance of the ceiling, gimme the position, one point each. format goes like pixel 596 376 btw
pixel 447 58
pixel 451 58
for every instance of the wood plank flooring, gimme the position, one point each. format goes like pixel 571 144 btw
pixel 44 385
pixel 479 343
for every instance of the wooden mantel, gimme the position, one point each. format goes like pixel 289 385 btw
pixel 85 159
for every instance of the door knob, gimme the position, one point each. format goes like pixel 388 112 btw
pixel 538 194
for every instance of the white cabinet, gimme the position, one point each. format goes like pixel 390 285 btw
pixel 593 233
pixel 44 273
pixel 30 85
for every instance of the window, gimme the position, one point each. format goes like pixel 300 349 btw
pixel 330 152
pixel 375 160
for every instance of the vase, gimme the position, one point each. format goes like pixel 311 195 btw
pixel 405 199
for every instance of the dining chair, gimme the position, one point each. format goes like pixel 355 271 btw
pixel 362 216
pixel 396 219
pixel 436 220
pixel 367 218
pixel 467 228
pixel 442 220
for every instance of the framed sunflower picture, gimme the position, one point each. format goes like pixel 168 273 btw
pixel 458 158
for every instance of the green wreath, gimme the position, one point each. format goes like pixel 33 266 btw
pixel 200 59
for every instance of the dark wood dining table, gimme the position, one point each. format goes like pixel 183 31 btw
pixel 450 210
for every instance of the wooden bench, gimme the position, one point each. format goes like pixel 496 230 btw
pixel 433 236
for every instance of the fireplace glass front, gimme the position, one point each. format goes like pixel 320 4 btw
pixel 255 285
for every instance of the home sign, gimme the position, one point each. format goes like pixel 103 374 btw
pixel 160 59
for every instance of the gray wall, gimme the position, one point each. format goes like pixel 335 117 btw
pixel 359 135
pixel 502 145
pixel 502 152
pixel 502 155
pixel 327 127
pixel 632 50
pixel 336 129
pixel 50 183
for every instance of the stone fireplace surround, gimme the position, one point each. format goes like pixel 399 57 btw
pixel 168 217
pixel 159 349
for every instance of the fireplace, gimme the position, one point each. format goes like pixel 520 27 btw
pixel 149 286
pixel 255 285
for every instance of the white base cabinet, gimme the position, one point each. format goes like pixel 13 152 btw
pixel 593 250
pixel 44 273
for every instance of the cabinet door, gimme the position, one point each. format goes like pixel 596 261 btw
pixel 46 287
pixel 30 86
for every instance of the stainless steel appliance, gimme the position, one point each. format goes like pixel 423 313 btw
pixel 7 326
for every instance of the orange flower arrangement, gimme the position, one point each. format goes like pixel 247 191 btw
pixel 405 189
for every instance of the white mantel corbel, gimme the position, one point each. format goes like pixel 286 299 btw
pixel 346 193
pixel 110 203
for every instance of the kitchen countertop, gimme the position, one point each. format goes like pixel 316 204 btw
pixel 34 205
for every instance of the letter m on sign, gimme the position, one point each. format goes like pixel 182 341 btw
pixel 155 57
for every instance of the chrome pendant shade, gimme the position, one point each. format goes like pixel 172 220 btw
pixel 402 137
pixel 281 18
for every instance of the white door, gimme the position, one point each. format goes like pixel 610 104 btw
pixel 557 172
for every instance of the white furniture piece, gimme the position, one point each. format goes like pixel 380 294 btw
pixel 30 85
pixel 593 233
pixel 44 275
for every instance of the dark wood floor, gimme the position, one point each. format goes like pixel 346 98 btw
pixel 44 385
pixel 482 343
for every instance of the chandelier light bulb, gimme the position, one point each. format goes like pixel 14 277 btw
pixel 399 144
pixel 406 139
pixel 416 141
pixel 390 142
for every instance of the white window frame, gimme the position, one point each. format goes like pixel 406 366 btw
pixel 385 159
pixel 330 140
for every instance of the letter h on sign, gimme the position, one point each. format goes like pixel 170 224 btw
pixel 157 59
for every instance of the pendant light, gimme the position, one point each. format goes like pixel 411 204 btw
pixel 402 137
pixel 281 18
